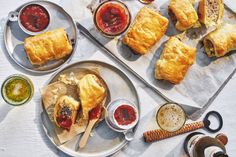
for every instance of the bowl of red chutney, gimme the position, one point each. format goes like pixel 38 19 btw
pixel 122 115
pixel 33 19
pixel 112 18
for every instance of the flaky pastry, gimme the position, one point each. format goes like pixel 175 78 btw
pixel 92 93
pixel 147 29
pixel 175 60
pixel 48 46
pixel 184 13
pixel 220 41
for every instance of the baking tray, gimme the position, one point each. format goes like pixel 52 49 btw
pixel 14 37
pixel 204 80
pixel 119 86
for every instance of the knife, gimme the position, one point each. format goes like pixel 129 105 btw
pixel 190 110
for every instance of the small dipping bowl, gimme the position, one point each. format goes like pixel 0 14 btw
pixel 122 115
pixel 112 18
pixel 17 90
pixel 32 18
pixel 171 117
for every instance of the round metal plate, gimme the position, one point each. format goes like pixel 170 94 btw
pixel 104 141
pixel 14 37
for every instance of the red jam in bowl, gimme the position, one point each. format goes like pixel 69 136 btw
pixel 125 115
pixel 112 18
pixel 34 18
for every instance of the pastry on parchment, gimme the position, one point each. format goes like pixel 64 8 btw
pixel 48 46
pixel 221 41
pixel 147 29
pixel 211 12
pixel 92 92
pixel 184 13
pixel 175 60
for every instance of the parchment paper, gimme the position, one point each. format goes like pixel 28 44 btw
pixel 66 84
pixel 202 80
pixel 50 94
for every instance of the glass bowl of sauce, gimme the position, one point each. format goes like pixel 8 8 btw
pixel 112 18
pixel 33 19
pixel 17 90
pixel 122 115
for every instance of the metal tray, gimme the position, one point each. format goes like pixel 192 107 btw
pixel 208 75
pixel 14 37
pixel 119 86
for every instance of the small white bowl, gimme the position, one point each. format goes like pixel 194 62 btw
pixel 110 119
pixel 15 16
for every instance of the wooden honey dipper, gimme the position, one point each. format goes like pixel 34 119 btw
pixel 159 134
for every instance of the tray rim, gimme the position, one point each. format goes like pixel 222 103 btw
pixel 197 110
pixel 64 149
pixel 53 69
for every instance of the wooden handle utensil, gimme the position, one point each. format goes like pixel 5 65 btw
pixel 94 116
pixel 84 139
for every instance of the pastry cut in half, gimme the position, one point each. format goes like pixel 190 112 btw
pixel 175 60
pixel 211 12
pixel 220 41
pixel 65 111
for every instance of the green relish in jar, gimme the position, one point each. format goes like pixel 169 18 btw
pixel 17 90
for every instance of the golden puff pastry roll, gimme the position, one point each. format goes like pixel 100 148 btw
pixel 211 12
pixel 220 41
pixel 147 29
pixel 65 111
pixel 184 13
pixel 48 46
pixel 92 93
pixel 175 60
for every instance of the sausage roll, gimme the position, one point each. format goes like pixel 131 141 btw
pixel 210 12
pixel 175 60
pixel 92 93
pixel 52 45
pixel 147 29
pixel 65 111
pixel 220 41
pixel 184 13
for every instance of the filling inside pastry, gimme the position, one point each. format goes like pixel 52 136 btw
pixel 213 9
pixel 64 118
pixel 172 16
pixel 65 112
pixel 209 47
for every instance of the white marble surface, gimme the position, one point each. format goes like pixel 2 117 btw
pixel 21 133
